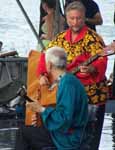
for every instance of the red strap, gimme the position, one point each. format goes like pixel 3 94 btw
pixel 41 68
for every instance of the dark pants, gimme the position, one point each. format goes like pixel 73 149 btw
pixel 99 125
pixel 94 129
pixel 33 138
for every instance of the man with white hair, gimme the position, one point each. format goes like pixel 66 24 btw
pixel 63 125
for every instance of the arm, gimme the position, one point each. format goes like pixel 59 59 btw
pixel 93 14
pixel 96 20
pixel 94 47
pixel 49 27
pixel 60 117
pixel 50 22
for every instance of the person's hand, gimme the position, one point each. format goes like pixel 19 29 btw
pixel 110 47
pixel 44 18
pixel 35 107
pixel 83 69
pixel 110 80
pixel 88 69
pixel 113 45
pixel 43 37
pixel 43 80
pixel 34 119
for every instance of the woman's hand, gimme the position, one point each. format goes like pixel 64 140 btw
pixel 43 37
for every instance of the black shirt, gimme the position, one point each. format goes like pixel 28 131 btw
pixel 91 9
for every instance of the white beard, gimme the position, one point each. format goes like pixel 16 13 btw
pixel 77 29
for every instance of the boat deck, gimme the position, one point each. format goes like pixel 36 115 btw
pixel 8 130
pixel 9 127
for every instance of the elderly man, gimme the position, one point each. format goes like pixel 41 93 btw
pixel 63 125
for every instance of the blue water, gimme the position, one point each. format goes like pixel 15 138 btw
pixel 16 34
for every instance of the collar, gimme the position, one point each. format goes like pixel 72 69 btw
pixel 60 76
pixel 79 37
pixel 56 81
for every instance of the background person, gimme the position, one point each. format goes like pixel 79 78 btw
pixel 46 28
pixel 47 21
pixel 42 14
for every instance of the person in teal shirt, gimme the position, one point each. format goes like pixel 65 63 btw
pixel 63 125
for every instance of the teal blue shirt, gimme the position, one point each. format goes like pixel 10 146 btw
pixel 67 120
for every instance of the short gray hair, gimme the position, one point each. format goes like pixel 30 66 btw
pixel 76 5
pixel 57 56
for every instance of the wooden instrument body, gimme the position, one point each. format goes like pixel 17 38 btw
pixel 34 90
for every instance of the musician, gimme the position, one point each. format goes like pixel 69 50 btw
pixel 93 14
pixel 63 124
pixel 81 42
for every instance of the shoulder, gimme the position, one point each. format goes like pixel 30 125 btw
pixel 71 83
pixel 93 34
pixel 57 40
pixel 61 34
pixel 71 79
